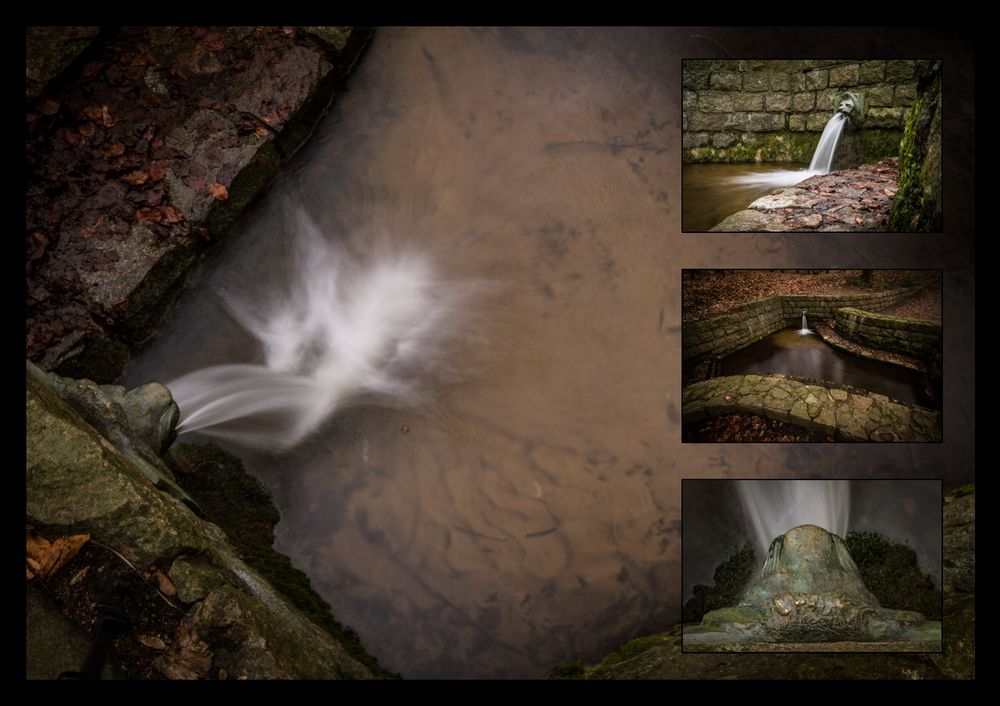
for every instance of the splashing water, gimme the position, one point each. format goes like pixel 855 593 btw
pixel 804 331
pixel 346 328
pixel 823 156
pixel 775 506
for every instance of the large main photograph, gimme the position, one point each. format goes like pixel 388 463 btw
pixel 379 353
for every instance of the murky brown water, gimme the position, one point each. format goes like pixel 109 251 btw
pixel 788 353
pixel 714 191
pixel 531 514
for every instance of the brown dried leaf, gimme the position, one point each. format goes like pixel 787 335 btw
pixel 859 220
pixel 149 215
pixel 87 130
pixel 49 107
pixel 44 558
pixel 115 149
pixel 107 120
pixel 163 581
pixel 171 214
pixel 152 642
pixel 219 192
pixel 157 170
pixel 136 178
pixel 93 112
pixel 214 41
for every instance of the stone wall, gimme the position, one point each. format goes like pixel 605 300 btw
pixel 721 335
pixel 758 110
pixel 889 333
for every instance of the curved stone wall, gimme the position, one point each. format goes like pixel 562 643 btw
pixel 889 333
pixel 845 413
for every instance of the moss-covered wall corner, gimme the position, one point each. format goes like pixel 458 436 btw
pixel 917 206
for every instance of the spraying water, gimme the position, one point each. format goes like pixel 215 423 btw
pixel 773 507
pixel 823 156
pixel 343 330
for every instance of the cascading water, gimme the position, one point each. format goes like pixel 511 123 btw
pixel 804 331
pixel 775 506
pixel 823 156
pixel 343 330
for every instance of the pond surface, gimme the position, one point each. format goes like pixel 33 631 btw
pixel 714 191
pixel 788 353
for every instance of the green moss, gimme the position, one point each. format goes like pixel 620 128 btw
pixel 740 614
pixel 890 571
pixel 568 670
pixel 961 491
pixel 239 504
pixel 917 205
pixel 760 147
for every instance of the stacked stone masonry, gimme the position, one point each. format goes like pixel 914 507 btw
pixel 757 110
pixel 721 335
pixel 921 339
pixel 842 412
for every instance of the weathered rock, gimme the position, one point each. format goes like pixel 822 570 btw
pixel 78 481
pixel 165 136
pixel 51 50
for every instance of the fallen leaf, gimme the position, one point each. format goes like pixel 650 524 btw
pixel 44 558
pixel 93 112
pixel 87 130
pixel 157 170
pixel 79 575
pixel 859 220
pixel 171 214
pixel 48 107
pixel 219 192
pixel 136 178
pixel 149 215
pixel 115 149
pixel 152 642
pixel 163 582
pixel 106 118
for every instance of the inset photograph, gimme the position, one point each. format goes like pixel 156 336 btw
pixel 811 355
pixel 812 565
pixel 811 145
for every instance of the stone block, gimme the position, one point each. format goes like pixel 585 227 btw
pixel 694 139
pixel 694 79
pixel 797 122
pixel 715 102
pixel 690 100
pixel 871 71
pixel 817 78
pixel 899 70
pixel 904 95
pixel 748 101
pixel 707 121
pixel 879 95
pixel 884 117
pixel 756 81
pixel 774 102
pixel 804 101
pixel 847 75
pixel 767 122
pixel 781 81
pixel 726 81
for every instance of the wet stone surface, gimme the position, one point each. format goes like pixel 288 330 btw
pixel 850 200
pixel 144 157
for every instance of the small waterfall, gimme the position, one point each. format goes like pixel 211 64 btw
pixel 804 331
pixel 823 156
pixel 773 507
